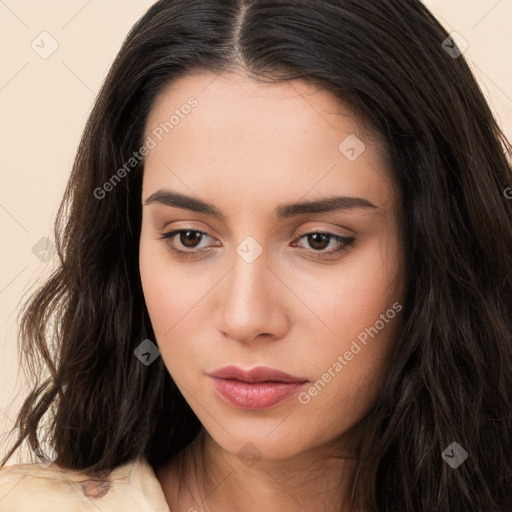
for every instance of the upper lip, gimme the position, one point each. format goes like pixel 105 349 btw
pixel 256 374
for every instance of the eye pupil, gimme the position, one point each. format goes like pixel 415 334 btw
pixel 189 236
pixel 318 238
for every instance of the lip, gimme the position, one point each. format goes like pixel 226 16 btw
pixel 256 388
pixel 256 374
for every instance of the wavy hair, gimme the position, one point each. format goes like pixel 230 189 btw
pixel 450 378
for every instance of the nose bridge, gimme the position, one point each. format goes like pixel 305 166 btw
pixel 248 303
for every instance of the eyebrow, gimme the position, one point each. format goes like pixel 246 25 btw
pixel 283 211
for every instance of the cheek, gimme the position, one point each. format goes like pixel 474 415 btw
pixel 168 317
pixel 168 295
pixel 175 298
pixel 361 309
pixel 169 291
pixel 349 298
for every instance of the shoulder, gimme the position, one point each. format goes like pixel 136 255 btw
pixel 37 488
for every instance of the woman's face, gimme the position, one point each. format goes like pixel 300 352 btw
pixel 262 286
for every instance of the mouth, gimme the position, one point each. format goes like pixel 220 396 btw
pixel 257 388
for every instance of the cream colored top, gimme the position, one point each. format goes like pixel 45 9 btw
pixel 132 487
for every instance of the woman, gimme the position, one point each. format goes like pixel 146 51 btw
pixel 285 276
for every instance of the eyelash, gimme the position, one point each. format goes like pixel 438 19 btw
pixel 346 241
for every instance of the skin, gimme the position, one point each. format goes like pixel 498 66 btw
pixel 248 147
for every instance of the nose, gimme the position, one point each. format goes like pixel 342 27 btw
pixel 252 302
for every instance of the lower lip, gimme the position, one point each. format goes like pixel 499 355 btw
pixel 257 395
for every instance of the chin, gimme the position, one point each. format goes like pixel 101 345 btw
pixel 252 444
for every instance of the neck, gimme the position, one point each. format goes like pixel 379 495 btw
pixel 206 477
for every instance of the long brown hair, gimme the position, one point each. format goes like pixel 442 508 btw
pixel 451 375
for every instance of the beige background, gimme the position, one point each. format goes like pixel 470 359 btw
pixel 45 103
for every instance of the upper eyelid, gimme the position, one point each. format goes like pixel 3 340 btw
pixel 171 233
pixel 301 232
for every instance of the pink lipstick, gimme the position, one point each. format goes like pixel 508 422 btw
pixel 257 388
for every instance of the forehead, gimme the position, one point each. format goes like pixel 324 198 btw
pixel 272 138
pixel 296 106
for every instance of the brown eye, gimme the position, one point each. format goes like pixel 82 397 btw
pixel 319 241
pixel 189 237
